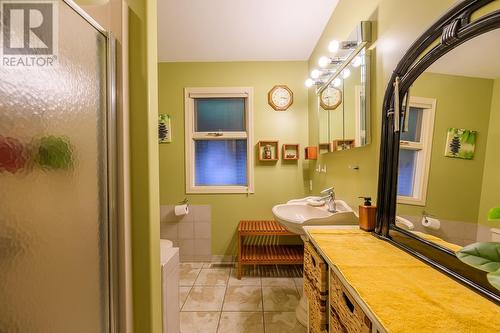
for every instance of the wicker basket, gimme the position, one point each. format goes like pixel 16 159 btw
pixel 349 313
pixel 335 324
pixel 318 321
pixel 315 268
pixel 318 315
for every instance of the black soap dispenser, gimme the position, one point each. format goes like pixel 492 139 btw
pixel 367 214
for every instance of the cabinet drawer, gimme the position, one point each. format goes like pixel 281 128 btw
pixel 315 268
pixel 351 317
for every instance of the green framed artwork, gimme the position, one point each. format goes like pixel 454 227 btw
pixel 460 143
pixel 164 129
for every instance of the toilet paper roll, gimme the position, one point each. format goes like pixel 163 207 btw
pixel 181 210
pixel 431 223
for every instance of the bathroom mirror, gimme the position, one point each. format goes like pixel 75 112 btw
pixel 439 180
pixel 447 163
pixel 343 94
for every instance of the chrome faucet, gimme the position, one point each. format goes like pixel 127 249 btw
pixel 330 197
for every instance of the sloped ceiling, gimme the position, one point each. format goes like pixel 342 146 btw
pixel 240 30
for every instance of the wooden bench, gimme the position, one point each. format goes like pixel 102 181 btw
pixel 266 254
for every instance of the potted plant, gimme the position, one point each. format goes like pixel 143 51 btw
pixel 484 255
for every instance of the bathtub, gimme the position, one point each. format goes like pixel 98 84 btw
pixel 169 264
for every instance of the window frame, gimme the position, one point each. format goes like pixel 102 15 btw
pixel 192 93
pixel 422 169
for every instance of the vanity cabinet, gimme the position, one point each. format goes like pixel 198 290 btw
pixel 371 284
pixel 332 308
pixel 345 313
pixel 316 288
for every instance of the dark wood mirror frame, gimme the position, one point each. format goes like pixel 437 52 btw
pixel 451 30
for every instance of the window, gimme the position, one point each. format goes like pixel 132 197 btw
pixel 415 152
pixel 218 138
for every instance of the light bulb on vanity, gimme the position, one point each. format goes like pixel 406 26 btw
pixel 334 46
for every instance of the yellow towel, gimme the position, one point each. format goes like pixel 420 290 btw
pixel 404 293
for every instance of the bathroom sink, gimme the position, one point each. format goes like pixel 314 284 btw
pixel 298 213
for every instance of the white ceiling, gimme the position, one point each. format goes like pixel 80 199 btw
pixel 240 30
pixel 479 57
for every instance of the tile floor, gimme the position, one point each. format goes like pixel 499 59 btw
pixel 213 300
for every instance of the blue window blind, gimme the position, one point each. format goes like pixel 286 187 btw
pixel 221 162
pixel 414 125
pixel 220 114
pixel 406 175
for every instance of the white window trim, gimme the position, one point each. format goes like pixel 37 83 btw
pixel 421 177
pixel 218 92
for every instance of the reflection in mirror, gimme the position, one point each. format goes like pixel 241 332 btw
pixel 343 108
pixel 448 181
pixel 342 84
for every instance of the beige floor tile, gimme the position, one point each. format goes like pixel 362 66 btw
pixel 243 298
pixel 199 322
pixel 205 298
pixel 250 277
pixel 183 294
pixel 213 277
pixel 188 274
pixel 278 282
pixel 241 322
pixel 280 298
pixel 282 322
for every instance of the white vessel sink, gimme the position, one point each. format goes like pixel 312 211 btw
pixel 298 213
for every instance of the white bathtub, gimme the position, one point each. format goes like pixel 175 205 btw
pixel 169 261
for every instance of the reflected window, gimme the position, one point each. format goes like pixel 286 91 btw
pixel 415 151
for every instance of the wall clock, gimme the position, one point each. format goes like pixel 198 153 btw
pixel 330 98
pixel 280 97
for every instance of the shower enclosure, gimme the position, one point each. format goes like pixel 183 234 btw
pixel 57 170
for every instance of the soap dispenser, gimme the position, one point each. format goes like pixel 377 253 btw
pixel 367 214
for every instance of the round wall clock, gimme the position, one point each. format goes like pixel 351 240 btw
pixel 330 98
pixel 280 97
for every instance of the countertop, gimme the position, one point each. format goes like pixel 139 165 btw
pixel 399 292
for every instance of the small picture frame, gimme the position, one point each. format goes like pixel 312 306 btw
pixel 164 129
pixel 460 143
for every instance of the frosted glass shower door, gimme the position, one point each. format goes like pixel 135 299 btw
pixel 54 224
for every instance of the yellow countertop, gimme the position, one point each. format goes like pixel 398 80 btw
pixel 402 292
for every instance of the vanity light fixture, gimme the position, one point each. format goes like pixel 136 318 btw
pixel 357 42
pixel 315 73
pixel 316 82
pixel 326 61
pixel 334 46
pixel 356 62
pixel 323 61
pixel 346 73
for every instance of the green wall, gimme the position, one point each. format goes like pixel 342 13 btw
pixel 145 226
pixel 396 26
pixel 490 196
pixel 274 182
pixel 455 184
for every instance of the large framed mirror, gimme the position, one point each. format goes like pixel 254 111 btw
pixel 439 181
